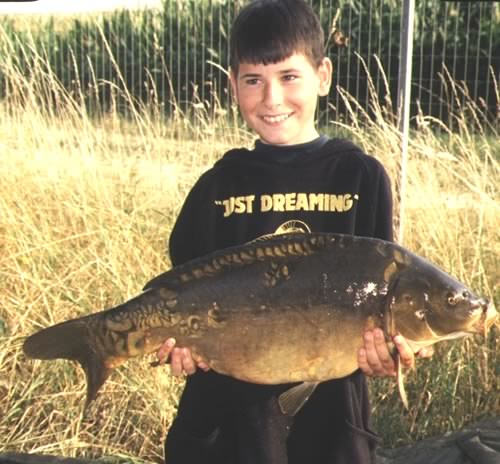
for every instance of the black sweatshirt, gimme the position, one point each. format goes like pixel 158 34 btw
pixel 321 186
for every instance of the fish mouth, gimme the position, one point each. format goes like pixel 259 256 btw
pixel 487 318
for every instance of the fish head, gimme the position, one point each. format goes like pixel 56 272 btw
pixel 426 305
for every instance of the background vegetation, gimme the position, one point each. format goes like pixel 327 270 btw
pixel 179 54
pixel 87 200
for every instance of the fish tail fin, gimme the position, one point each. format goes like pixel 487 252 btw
pixel 71 340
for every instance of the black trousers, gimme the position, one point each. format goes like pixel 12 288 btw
pixel 224 421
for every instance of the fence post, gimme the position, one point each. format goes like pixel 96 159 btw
pixel 403 103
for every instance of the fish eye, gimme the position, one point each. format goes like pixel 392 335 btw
pixel 420 314
pixel 452 300
pixel 465 294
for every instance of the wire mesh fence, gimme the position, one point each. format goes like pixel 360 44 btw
pixel 177 56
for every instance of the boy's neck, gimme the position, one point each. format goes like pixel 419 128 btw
pixel 311 145
pixel 313 135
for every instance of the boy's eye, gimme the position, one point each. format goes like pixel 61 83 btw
pixel 252 81
pixel 290 77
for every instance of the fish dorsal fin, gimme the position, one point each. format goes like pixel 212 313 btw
pixel 273 248
pixel 262 238
pixel 292 400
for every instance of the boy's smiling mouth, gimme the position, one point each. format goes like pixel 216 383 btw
pixel 274 119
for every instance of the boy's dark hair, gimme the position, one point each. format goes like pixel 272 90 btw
pixel 269 31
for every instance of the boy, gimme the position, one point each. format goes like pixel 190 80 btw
pixel 293 180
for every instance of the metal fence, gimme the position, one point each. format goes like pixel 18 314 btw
pixel 177 56
pixel 461 39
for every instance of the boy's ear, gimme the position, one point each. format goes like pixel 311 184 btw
pixel 234 89
pixel 325 71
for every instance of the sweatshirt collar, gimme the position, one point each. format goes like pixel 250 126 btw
pixel 289 152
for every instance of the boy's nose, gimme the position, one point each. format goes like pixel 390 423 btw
pixel 273 95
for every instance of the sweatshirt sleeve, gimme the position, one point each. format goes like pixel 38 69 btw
pixel 384 217
pixel 374 216
pixel 193 232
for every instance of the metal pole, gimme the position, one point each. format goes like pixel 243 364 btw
pixel 403 103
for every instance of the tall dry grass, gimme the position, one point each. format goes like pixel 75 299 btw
pixel 85 210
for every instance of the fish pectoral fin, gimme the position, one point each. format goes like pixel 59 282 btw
pixel 400 380
pixel 292 400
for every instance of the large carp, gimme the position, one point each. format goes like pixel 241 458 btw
pixel 292 308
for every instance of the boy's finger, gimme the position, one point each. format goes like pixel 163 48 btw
pixel 164 351
pixel 176 367
pixel 188 364
pixel 372 357
pixel 384 356
pixel 200 363
pixel 203 366
pixel 363 363
pixel 371 352
pixel 426 352
pixel 377 353
pixel 405 352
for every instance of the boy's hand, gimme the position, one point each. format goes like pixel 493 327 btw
pixel 181 359
pixel 375 360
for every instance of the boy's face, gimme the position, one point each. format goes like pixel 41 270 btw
pixel 278 100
